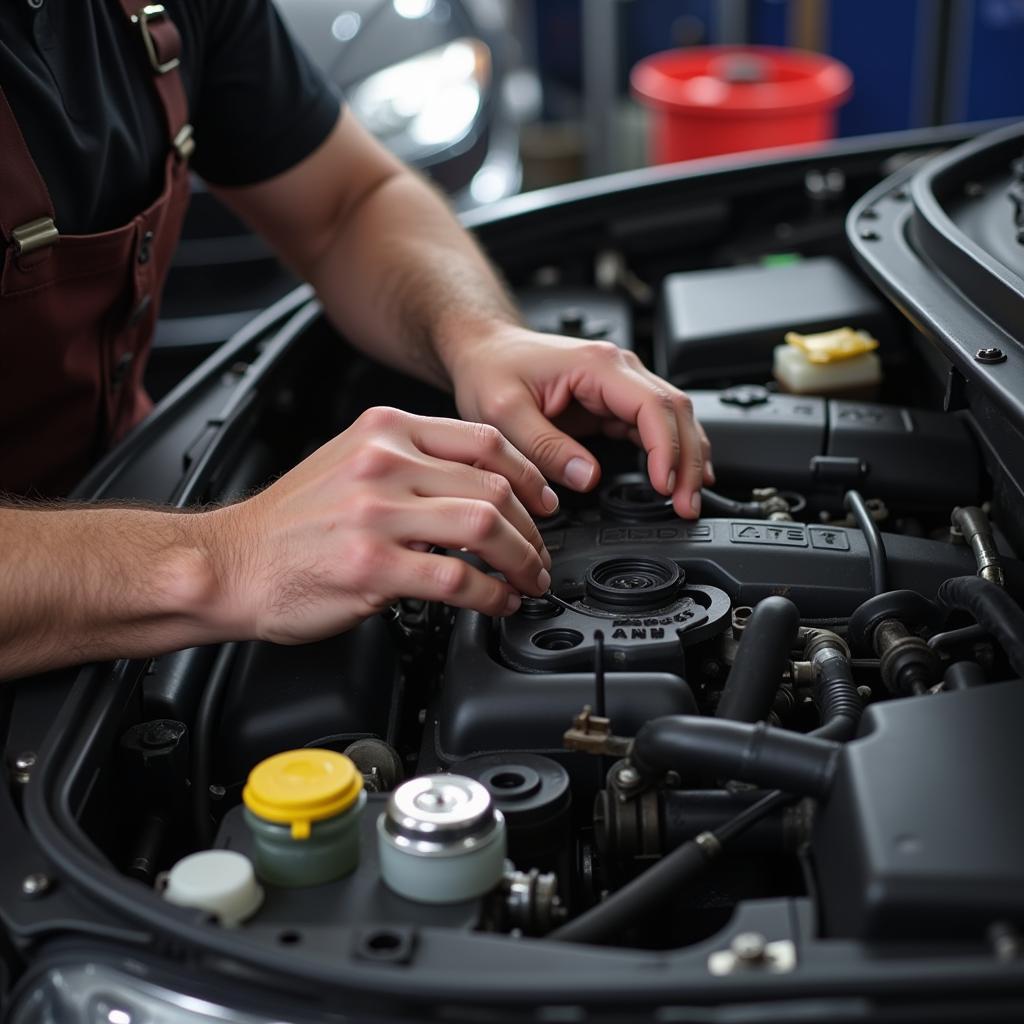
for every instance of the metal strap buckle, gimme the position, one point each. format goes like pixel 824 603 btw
pixel 36 234
pixel 153 12
pixel 184 143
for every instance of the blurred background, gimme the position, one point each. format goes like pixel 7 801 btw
pixel 914 63
pixel 493 97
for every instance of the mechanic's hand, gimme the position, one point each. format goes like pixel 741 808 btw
pixel 346 533
pixel 539 388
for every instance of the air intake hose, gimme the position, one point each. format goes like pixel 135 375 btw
pixel 757 753
pixel 994 609
pixel 761 659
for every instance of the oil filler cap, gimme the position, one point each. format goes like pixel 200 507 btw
pixel 300 787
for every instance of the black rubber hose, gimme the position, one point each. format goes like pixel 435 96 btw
pixel 964 675
pixel 873 537
pixel 735 750
pixel 647 894
pixel 715 504
pixel 203 736
pixel 837 698
pixel 993 608
pixel 761 659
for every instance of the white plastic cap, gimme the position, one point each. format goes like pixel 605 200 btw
pixel 219 881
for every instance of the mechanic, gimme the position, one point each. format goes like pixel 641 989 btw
pixel 105 106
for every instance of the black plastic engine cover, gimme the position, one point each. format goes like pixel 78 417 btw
pixel 549 638
pixel 487 706
pixel 913 456
pixel 823 569
pixel 921 836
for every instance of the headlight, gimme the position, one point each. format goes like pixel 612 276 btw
pixel 428 101
pixel 102 994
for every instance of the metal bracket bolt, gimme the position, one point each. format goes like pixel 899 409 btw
pixel 23 765
pixel 752 951
pixel 35 885
pixel 990 355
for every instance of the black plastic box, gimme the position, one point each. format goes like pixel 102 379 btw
pixel 922 835
pixel 723 324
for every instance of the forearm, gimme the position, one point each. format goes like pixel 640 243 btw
pixel 84 584
pixel 404 282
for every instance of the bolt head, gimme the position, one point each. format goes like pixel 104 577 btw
pixel 749 947
pixel 627 776
pixel 990 355
pixel 24 762
pixel 35 884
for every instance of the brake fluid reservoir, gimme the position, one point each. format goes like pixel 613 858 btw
pixel 834 362
pixel 441 840
pixel 303 808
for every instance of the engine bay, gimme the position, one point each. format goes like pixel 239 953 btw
pixel 756 740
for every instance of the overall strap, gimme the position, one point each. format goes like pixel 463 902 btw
pixel 162 44
pixel 26 213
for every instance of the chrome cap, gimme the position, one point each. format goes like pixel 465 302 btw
pixel 441 814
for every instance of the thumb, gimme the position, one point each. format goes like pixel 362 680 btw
pixel 553 452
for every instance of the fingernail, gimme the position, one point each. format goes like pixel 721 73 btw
pixel 512 603
pixel 578 473
pixel 695 504
pixel 671 480
pixel 549 499
pixel 711 470
pixel 545 557
pixel 543 580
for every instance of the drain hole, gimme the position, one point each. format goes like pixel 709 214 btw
pixel 384 942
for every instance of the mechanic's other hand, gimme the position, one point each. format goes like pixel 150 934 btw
pixel 537 389
pixel 346 533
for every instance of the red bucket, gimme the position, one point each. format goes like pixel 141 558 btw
pixel 725 99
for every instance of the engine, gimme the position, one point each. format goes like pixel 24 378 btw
pixel 768 714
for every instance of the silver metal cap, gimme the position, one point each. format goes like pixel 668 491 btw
pixel 439 813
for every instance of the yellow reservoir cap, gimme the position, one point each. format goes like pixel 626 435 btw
pixel 832 346
pixel 299 787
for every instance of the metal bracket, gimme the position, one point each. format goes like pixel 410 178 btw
pixel 36 234
pixel 592 734
pixel 153 12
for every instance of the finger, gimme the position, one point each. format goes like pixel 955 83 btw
pixel 705 447
pixel 690 471
pixel 476 526
pixel 691 476
pixel 443 479
pixel 452 581
pixel 484 446
pixel 639 398
pixel 556 454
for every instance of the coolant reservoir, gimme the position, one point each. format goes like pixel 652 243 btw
pixel 843 361
pixel 441 840
pixel 303 809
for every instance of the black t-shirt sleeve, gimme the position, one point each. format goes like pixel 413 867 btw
pixel 262 106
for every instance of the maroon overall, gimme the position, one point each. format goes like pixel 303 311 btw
pixel 77 312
